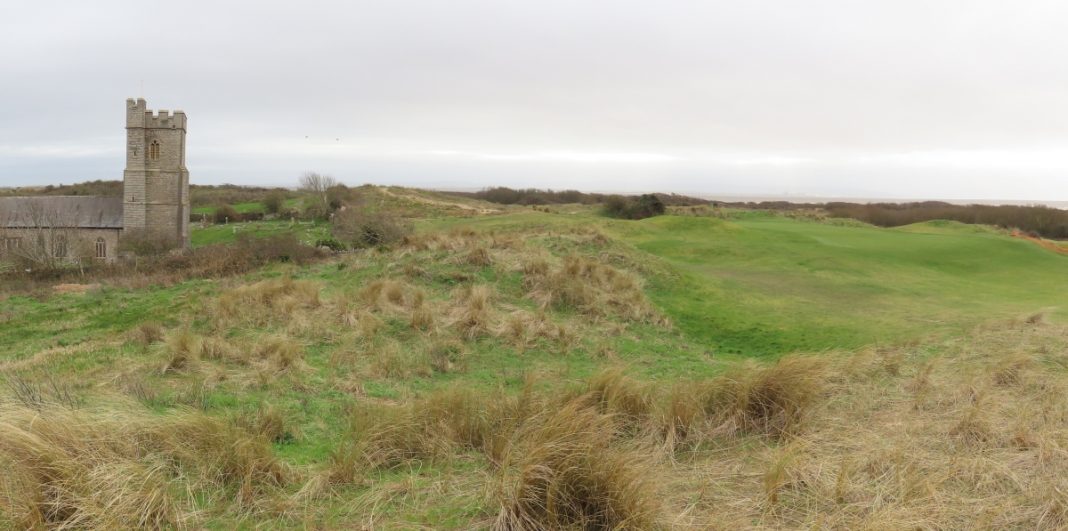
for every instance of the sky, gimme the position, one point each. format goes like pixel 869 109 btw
pixel 822 98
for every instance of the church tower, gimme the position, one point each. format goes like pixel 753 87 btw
pixel 156 183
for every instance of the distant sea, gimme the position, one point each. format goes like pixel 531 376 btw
pixel 1063 205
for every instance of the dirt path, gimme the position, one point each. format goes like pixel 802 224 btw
pixel 1047 244
pixel 438 202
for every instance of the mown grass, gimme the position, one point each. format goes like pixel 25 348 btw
pixel 306 231
pixel 768 285
pixel 535 370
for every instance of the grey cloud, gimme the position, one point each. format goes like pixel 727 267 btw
pixel 899 99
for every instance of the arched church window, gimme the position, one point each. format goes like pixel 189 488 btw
pixel 101 248
pixel 153 150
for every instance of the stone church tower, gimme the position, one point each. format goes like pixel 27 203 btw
pixel 155 200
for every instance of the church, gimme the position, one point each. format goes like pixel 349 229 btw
pixel 154 205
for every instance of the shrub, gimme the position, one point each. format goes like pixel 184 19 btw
pixel 273 202
pixel 226 214
pixel 640 207
pixel 141 243
pixel 360 227
pixel 330 243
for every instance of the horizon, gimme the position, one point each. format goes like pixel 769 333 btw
pixel 910 101
pixel 726 198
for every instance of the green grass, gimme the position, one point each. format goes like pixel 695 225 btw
pixel 306 231
pixel 754 285
pixel 246 207
pixel 767 285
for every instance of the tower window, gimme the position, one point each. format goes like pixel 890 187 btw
pixel 153 150
pixel 101 248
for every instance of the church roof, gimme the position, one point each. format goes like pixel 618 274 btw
pixel 61 211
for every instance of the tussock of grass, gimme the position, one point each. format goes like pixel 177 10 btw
pixel 365 323
pixel 282 353
pixel 120 469
pixel 474 315
pixel 590 287
pixel 447 356
pixel 390 359
pixel 560 471
pixel 391 295
pixel 266 301
pixel 762 400
pixel 147 334
pixel 613 392
pixel 773 400
pixel 267 422
pixel 422 318
pixel 183 349
pixel 478 257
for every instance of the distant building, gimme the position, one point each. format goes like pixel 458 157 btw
pixel 154 205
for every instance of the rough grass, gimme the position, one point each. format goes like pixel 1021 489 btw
pixel 424 387
pixel 119 468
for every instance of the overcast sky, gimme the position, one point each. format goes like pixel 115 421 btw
pixel 902 99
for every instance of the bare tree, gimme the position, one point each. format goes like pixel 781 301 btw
pixel 43 243
pixel 317 185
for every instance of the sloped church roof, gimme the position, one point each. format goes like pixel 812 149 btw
pixel 67 211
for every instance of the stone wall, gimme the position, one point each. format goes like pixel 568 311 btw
pixel 42 243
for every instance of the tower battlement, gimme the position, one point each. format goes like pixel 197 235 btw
pixel 139 116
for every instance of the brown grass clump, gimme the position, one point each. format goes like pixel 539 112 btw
pixel 266 301
pixel 183 348
pixel 447 356
pixel 281 352
pixel 422 318
pixel 613 392
pixel 267 422
pixel 774 400
pixel 393 360
pixel 147 333
pixel 382 436
pixel 122 469
pixel 221 453
pixel 219 349
pixel 771 400
pixel 474 315
pixel 366 324
pixel 478 257
pixel 1010 371
pixel 560 471
pixel 590 287
pixel 391 295
pixel 973 428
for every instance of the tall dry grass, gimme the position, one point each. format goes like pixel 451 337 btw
pixel 590 287
pixel 263 302
pixel 118 468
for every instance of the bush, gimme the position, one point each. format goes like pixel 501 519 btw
pixel 360 227
pixel 534 196
pixel 274 201
pixel 640 207
pixel 226 214
pixel 330 243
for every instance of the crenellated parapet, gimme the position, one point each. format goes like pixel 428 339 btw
pixel 139 116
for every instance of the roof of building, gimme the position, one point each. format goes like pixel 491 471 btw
pixel 61 211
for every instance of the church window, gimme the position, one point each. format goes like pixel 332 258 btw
pixel 101 248
pixel 60 247
pixel 153 150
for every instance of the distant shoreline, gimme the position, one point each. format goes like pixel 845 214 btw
pixel 796 199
